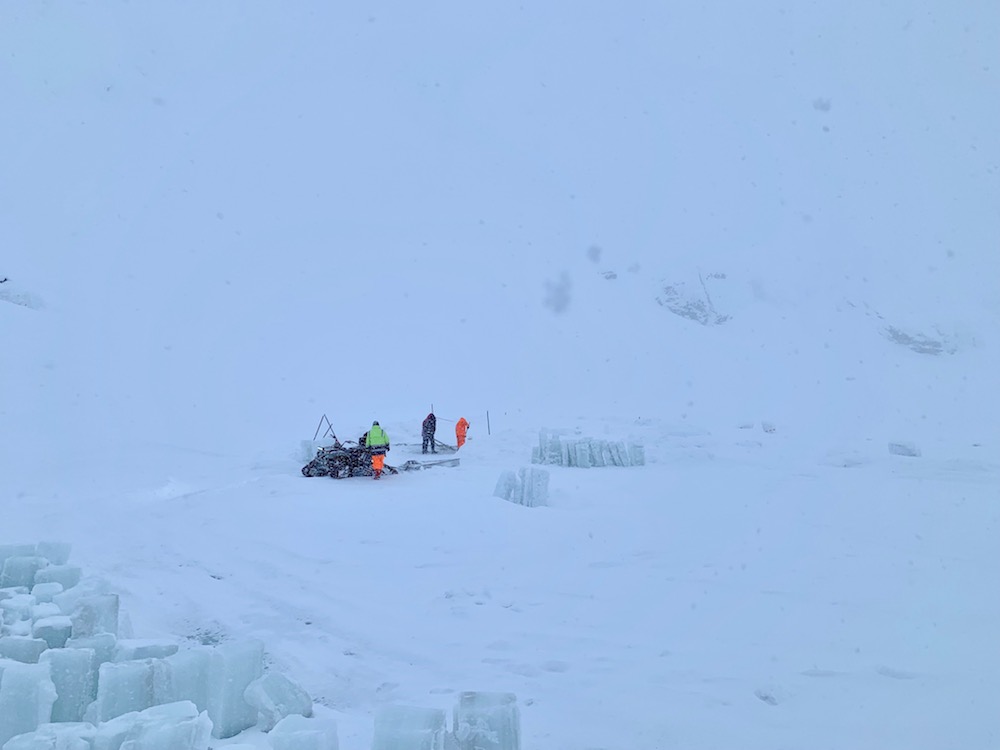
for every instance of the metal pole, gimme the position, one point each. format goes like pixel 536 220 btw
pixel 488 422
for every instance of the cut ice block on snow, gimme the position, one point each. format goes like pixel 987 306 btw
pixel 487 721
pixel 586 452
pixel 300 733
pixel 57 553
pixel 130 649
pixel 75 678
pixel 904 449
pixel 121 687
pixel 563 455
pixel 111 734
pixel 15 550
pixel 508 486
pixel 26 698
pixel 20 571
pixel 24 650
pixel 550 448
pixel 173 726
pixel 43 592
pixel 9 591
pixel 619 456
pixel 17 608
pixel 623 452
pixel 597 452
pixel 124 626
pixel 408 728
pixel 32 741
pixel 534 486
pixel 94 615
pixel 542 448
pixel 183 677
pixel 231 668
pixel 607 455
pixel 274 697
pixel 74 736
pixel 102 645
pixel 637 454
pixel 67 576
pixel 614 456
pixel 43 610
pixel 570 448
pixel 530 486
pixel 71 597
pixel 55 631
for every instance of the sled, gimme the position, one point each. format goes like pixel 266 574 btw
pixel 439 447
pixel 413 465
pixel 445 447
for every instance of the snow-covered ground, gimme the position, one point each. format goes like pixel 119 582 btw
pixel 729 589
pixel 651 222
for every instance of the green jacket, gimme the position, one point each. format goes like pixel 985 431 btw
pixel 377 438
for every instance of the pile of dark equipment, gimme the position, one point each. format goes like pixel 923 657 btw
pixel 342 460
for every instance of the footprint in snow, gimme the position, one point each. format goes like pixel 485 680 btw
pixel 896 674
pixel 555 666
pixel 767 695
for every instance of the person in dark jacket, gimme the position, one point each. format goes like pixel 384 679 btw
pixel 427 430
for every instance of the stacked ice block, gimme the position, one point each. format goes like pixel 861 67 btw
pixel 529 486
pixel 68 680
pixel 585 452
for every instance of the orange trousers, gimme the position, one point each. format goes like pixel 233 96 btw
pixel 460 437
pixel 378 462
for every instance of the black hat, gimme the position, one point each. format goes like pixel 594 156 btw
pixel 374 423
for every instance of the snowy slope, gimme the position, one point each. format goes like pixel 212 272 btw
pixel 222 222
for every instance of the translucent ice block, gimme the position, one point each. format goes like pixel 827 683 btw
pixel 231 668
pixel 75 736
pixel 57 553
pixel 300 733
pixel 122 687
pixel 94 615
pixel 408 728
pixel 129 649
pixel 67 576
pixel 274 696
pixel 487 721
pixel 55 631
pixel 20 571
pixel 75 679
pixel 26 698
pixel 173 726
pixel 19 648
pixel 182 677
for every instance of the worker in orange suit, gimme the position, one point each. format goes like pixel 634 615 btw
pixel 461 427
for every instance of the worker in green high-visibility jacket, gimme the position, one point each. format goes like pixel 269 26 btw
pixel 378 445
